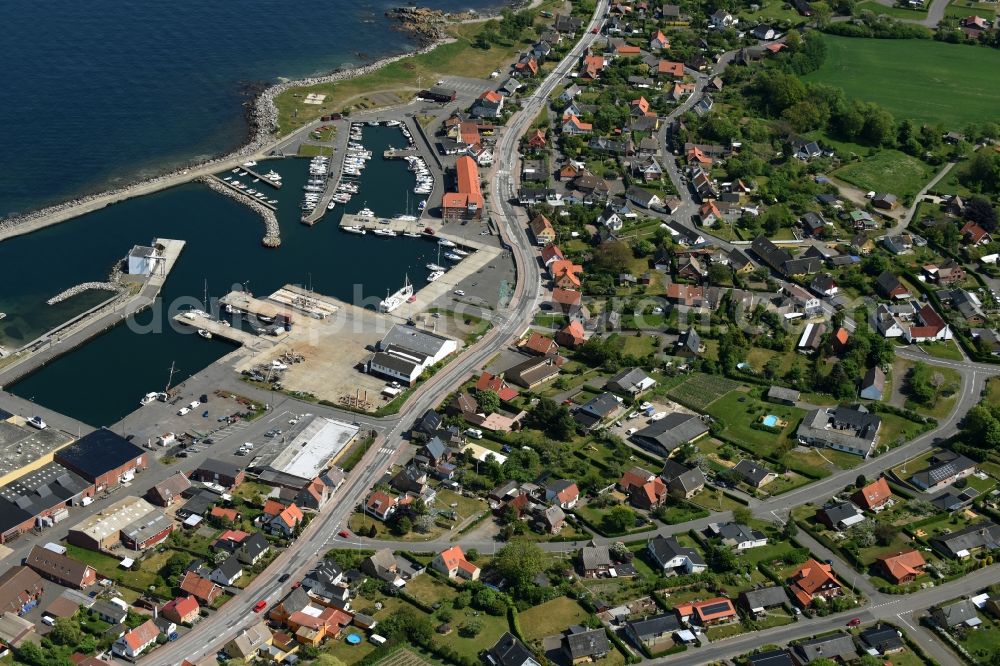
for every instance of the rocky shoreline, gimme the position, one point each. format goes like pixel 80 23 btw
pixel 263 118
pixel 272 233
pixel 80 288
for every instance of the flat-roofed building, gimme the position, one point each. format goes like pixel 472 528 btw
pixel 23 448
pixel 103 458
pixel 103 530
pixel 40 496
pixel 311 445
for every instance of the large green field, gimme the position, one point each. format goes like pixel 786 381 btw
pixel 924 80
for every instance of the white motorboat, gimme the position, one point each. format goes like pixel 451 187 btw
pixel 3 315
pixel 461 253
pixel 153 397
pixel 205 334
pixel 365 212
pixel 251 163
pixel 411 234
pixel 37 422
pixel 384 232
pixel 355 230
pixel 444 242
pixel 452 257
pixel 435 268
pixel 436 275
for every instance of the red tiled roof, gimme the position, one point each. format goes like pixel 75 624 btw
pixel 540 344
pixel 468 193
pixel 496 383
pixel 675 69
pixel 903 564
pixel 873 495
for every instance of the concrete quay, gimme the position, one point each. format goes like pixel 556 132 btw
pixel 222 331
pixel 276 184
pixel 89 324
pixel 369 223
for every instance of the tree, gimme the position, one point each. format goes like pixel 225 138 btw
pixel 66 632
pixel 402 526
pixel 981 211
pixel 372 531
pixel 619 519
pixel 470 628
pixel 861 481
pixel 519 562
pixel 742 515
pixel 885 534
pixel 488 400
pixel 613 257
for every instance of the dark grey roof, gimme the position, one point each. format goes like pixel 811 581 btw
pixel 672 431
pixel 658 624
pixel 882 638
pixel 230 567
pixel 837 513
pixel 689 341
pixel 601 405
pixel 983 535
pixel 108 609
pixel 586 643
pixel 770 658
pixel 827 647
pixel 751 471
pixel 736 532
pixel 667 548
pixel 254 545
pixel 765 597
pixel 947 467
pixel 428 423
pixel 873 378
pixel 769 253
pixel 782 393
pixel 36 492
pixel 594 557
pixel 887 282
pixel 414 339
pixel 954 614
pixel 509 651
pixel 97 453
pixel 220 467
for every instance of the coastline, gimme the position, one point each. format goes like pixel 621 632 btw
pixel 262 118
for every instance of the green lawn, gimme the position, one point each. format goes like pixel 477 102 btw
pixel 738 411
pixel 924 80
pixel 961 8
pixel 895 12
pixel 947 350
pixel 550 618
pixel 982 641
pixel 492 628
pixel 429 590
pixel 713 499
pixel 888 171
pixel 699 391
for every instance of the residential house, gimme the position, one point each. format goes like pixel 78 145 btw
pixel 563 493
pixel 670 432
pixel 840 515
pixel 872 384
pixel 653 631
pixel 838 647
pixel 201 588
pixel 758 601
pixel 381 505
pixel 585 645
pixel 452 563
pixel 542 230
pixel 883 640
pixel 752 474
pixel 137 640
pixel 945 469
pixel 719 610
pixel 737 536
pixel 488 105
pixel 853 430
pixel 965 542
pixel 959 614
pixel 659 42
pixel 783 396
pixel 182 610
pixel 60 568
pixel 540 345
pixel 573 126
pixel 598 410
pixel 929 327
pixel 643 198
pixel 974 235
pixel 253 549
pixel 722 19
pixel 227 572
pixel 534 371
pixel 630 382
pixel 286 521
pixel 671 556
pixel 813 580
pixel 875 496
pixel 169 490
pixel 885 201
pixel 771 658
pixel 945 274
pixel 247 644
pixel 509 651
pixel 824 285
pixel 595 561
pixel 901 567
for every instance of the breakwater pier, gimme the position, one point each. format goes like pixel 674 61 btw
pixel 105 315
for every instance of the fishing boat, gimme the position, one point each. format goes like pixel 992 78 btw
pixel 152 397
pixel 436 268
pixel 433 277
pixel 444 242
pixel 355 230
pixel 393 301
pixel 205 334
pixel 384 232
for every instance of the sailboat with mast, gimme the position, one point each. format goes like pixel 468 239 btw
pixel 393 301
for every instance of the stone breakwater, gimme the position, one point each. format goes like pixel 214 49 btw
pixel 263 119
pixel 80 288
pixel 272 233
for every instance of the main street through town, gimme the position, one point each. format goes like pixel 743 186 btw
pixel 210 634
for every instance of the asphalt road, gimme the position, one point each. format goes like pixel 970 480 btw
pixel 210 634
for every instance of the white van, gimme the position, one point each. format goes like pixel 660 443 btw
pixel 49 620
pixel 182 411
pixel 248 446
pixel 377 640
pixel 194 404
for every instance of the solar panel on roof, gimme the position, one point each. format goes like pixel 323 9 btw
pixel 712 609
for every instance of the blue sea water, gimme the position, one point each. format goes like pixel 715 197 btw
pixel 98 93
